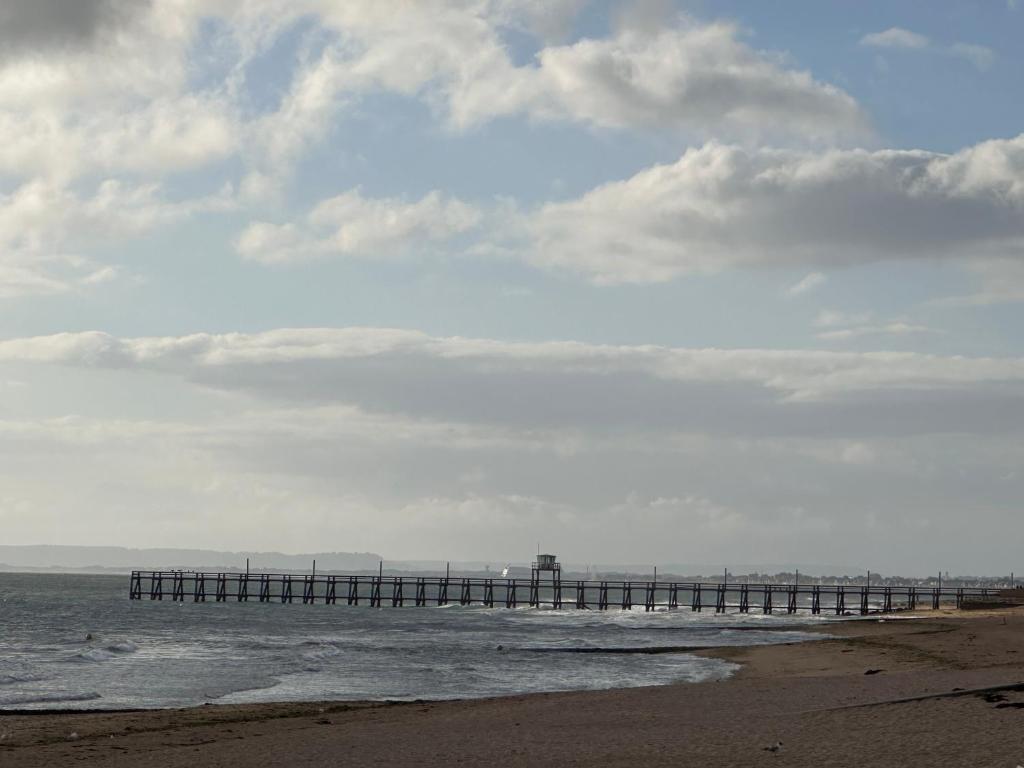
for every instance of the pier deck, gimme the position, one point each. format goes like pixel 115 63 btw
pixel 400 591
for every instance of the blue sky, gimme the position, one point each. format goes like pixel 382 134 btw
pixel 819 206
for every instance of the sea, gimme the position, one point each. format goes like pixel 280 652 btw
pixel 70 641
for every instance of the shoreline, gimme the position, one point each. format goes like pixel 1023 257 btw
pixel 882 688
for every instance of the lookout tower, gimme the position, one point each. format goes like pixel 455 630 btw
pixel 549 564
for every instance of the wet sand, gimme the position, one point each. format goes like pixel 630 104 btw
pixel 939 689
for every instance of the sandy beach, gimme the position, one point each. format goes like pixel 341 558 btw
pixel 932 689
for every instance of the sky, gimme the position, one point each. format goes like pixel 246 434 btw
pixel 691 282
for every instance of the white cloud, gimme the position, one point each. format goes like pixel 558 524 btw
pixel 808 283
pixel 352 225
pixel 498 441
pixel 1001 282
pixel 896 37
pixel 721 207
pixel 688 77
pixel 980 56
pixel 373 363
pixel 897 328
pixel 45 228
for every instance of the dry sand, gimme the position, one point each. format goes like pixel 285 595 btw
pixel 816 698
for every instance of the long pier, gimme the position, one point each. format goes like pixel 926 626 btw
pixel 398 591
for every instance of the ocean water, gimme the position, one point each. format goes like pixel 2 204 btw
pixel 72 641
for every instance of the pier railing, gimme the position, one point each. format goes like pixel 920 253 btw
pixel 398 591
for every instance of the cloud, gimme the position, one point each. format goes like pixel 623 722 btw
pixel 690 77
pixel 807 284
pixel 352 225
pixel 721 207
pixel 416 436
pixel 1001 282
pixel 885 329
pixel 980 56
pixel 558 384
pixel 45 228
pixel 33 26
pixel 896 37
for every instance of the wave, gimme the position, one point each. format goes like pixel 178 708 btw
pixel 640 649
pixel 20 677
pixel 48 698
pixel 107 652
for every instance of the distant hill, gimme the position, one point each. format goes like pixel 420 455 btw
pixel 54 557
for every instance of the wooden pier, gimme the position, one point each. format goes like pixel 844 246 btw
pixel 398 591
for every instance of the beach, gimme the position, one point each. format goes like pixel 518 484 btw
pixel 941 688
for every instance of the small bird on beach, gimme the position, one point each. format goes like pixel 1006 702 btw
pixel 773 748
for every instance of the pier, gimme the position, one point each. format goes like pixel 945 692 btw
pixel 380 591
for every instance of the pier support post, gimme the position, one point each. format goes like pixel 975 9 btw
pixel 720 598
pixel 602 596
pixel 135 590
pixel 286 589
pixel 264 588
pixel 816 600
pixel 745 598
pixel 767 606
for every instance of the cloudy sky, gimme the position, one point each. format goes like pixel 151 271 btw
pixel 646 282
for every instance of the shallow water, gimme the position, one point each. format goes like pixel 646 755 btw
pixel 164 654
